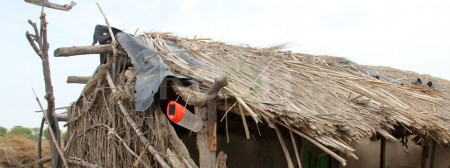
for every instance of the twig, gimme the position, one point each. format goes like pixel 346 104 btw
pixel 80 162
pixel 126 146
pixel 136 31
pixel 52 135
pixel 227 111
pixel 33 44
pixel 113 39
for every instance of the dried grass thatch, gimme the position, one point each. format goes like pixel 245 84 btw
pixel 329 100
pixel 17 151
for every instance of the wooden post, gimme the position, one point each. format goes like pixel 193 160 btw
pixel 207 159
pixel 382 152
pixel 433 152
pixel 424 156
pixel 219 83
pixel 83 50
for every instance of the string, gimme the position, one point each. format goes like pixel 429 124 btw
pixel 187 100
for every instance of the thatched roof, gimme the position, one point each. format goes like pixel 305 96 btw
pixel 330 99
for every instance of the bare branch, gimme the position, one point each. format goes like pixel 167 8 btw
pixel 33 44
pixel 41 49
pixel 36 35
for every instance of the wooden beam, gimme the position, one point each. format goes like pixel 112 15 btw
pixel 61 116
pixel 382 152
pixel 45 3
pixel 78 79
pixel 195 98
pixel 82 50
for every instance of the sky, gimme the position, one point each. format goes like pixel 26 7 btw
pixel 410 35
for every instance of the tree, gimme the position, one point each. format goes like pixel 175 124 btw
pixel 3 131
pixel 21 131
pixel 35 133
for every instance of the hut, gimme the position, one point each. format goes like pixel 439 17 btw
pixel 258 107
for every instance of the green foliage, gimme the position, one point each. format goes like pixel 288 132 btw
pixel 35 133
pixel 3 131
pixel 21 131
pixel 29 133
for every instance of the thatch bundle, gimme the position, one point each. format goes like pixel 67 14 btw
pixel 325 99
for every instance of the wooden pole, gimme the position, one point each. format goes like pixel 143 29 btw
pixel 424 156
pixel 433 152
pixel 206 157
pixel 382 152
pixel 297 155
pixel 78 79
pixel 83 50
pixel 284 147
pixel 219 83
pixel 40 45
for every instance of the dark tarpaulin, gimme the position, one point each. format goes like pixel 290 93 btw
pixel 149 68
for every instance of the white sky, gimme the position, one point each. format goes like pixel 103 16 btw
pixel 405 34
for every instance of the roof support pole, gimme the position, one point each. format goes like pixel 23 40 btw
pixel 207 158
pixel 382 152
pixel 424 156
pixel 433 152
pixel 213 93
